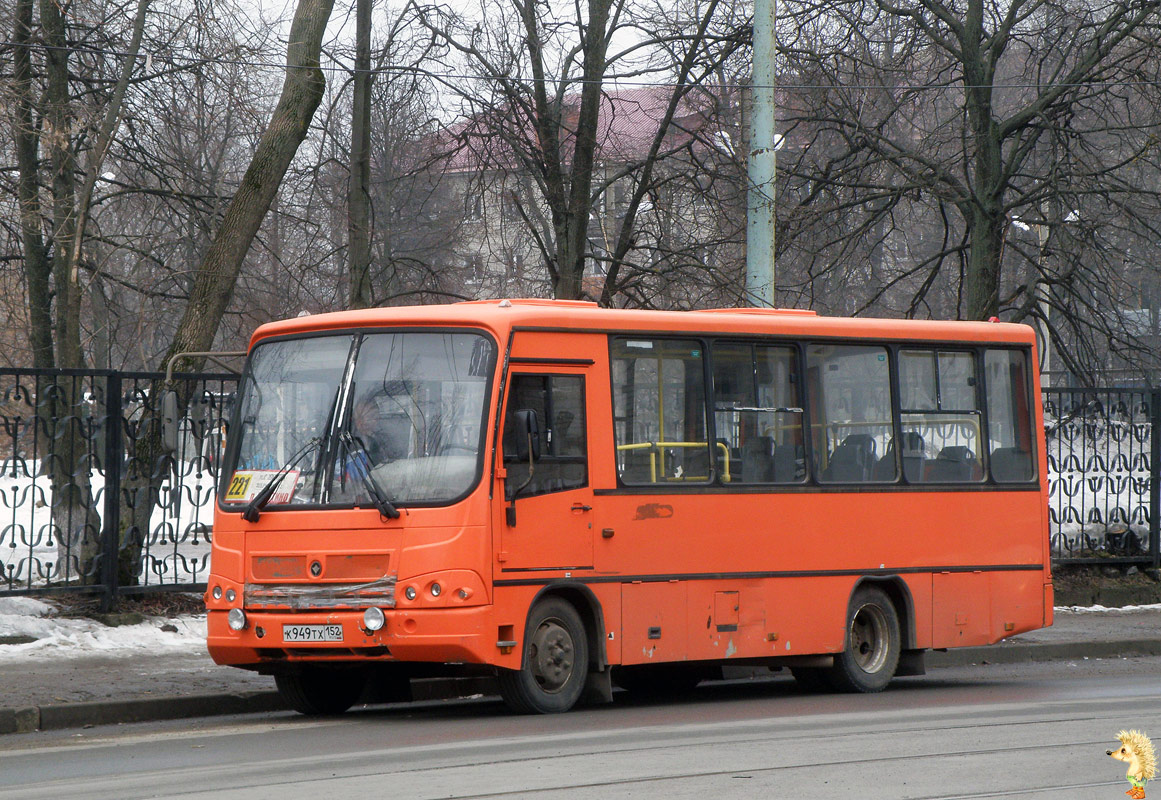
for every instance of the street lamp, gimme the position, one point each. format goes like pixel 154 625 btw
pixel 1043 297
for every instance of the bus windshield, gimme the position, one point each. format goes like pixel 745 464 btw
pixel 340 415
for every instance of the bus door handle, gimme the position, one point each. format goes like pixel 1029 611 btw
pixel 581 507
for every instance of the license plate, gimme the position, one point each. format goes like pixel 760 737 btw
pixel 312 633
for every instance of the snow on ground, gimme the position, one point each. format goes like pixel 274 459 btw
pixel 1105 609
pixel 63 637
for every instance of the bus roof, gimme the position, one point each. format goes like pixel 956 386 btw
pixel 501 316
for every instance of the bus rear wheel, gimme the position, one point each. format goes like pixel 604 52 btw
pixel 318 691
pixel 554 663
pixel 871 655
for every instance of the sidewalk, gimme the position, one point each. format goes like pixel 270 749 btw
pixel 70 691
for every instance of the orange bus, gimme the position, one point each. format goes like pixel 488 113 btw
pixel 570 497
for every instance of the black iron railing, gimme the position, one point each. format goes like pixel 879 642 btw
pixel 90 503
pixel 1103 487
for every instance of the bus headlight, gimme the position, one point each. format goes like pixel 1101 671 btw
pixel 230 595
pixel 373 619
pixel 217 592
pixel 436 590
pixel 236 619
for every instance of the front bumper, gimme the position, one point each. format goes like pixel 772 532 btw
pixel 436 635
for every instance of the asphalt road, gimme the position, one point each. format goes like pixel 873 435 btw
pixel 1032 730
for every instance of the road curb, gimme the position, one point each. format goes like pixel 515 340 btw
pixel 145 709
pixel 154 709
pixel 1014 653
pixel 29 719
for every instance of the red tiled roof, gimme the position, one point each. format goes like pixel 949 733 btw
pixel 628 122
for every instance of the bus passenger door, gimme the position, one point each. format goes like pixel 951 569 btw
pixel 547 521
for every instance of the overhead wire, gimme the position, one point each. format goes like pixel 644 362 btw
pixel 188 62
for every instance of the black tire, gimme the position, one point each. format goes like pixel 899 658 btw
pixel 811 679
pixel 554 662
pixel 320 691
pixel 658 680
pixel 871 655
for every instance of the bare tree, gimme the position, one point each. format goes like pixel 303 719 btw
pixel 61 408
pixel 535 107
pixel 214 281
pixel 927 129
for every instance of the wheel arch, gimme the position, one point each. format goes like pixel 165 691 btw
pixel 899 594
pixel 580 597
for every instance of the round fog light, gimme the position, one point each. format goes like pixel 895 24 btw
pixel 230 595
pixel 436 590
pixel 217 592
pixel 373 619
pixel 236 619
pixel 409 592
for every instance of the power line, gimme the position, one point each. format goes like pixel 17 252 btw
pixel 187 62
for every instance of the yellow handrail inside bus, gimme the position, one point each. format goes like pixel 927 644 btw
pixel 655 449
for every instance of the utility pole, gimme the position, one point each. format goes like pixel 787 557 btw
pixel 762 162
pixel 358 189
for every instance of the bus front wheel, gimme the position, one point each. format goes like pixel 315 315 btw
pixel 317 691
pixel 554 663
pixel 871 655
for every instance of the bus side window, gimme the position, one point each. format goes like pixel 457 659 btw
pixel 659 411
pixel 559 403
pixel 851 427
pixel 940 413
pixel 1009 417
pixel 757 414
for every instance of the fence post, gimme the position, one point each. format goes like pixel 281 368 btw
pixel 1155 475
pixel 114 462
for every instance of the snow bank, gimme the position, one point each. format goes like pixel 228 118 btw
pixel 67 637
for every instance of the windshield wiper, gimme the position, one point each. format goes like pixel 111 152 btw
pixel 254 507
pixel 361 466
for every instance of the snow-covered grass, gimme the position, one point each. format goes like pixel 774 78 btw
pixel 1106 609
pixel 57 636
pixel 177 547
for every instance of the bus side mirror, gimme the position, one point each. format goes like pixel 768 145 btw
pixel 169 421
pixel 527 429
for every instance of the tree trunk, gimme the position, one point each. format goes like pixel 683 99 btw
pixel 37 268
pixel 61 407
pixel 214 282
pixel 984 212
pixel 573 247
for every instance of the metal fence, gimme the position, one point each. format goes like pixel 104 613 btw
pixel 88 504
pixel 87 507
pixel 1104 491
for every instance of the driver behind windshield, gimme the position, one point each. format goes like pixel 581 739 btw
pixel 383 433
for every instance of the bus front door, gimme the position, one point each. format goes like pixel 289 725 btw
pixel 548 518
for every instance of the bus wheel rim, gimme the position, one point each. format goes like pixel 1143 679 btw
pixel 551 656
pixel 868 638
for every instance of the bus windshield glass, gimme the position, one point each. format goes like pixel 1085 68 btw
pixel 344 417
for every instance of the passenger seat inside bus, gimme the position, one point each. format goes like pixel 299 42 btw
pixel 789 463
pixel 1011 465
pixel 852 460
pixel 758 460
pixel 914 456
pixel 954 464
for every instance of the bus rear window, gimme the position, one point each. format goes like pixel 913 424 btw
pixel 1009 416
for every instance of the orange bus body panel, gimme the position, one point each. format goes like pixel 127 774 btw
pixel 682 575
